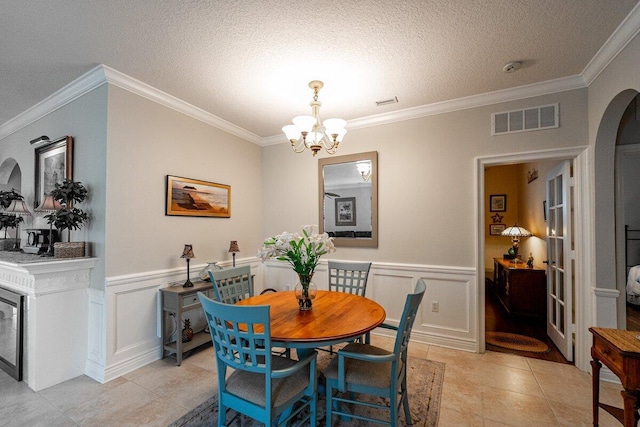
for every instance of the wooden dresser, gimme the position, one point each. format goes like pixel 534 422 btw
pixel 521 290
pixel 619 351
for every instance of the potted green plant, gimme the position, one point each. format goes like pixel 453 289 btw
pixel 69 217
pixel 7 220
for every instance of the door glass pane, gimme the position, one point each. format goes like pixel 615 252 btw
pixel 561 318
pixel 553 281
pixel 560 285
pixel 559 194
pixel 560 262
pixel 552 249
pixel 553 312
pixel 559 224
pixel 552 198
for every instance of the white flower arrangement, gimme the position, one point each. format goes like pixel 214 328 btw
pixel 302 251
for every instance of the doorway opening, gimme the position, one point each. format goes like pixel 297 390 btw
pixel 627 173
pixel 516 301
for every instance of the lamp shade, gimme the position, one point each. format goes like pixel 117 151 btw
pixel 233 246
pixel 187 252
pixel 49 204
pixel 516 231
pixel 18 207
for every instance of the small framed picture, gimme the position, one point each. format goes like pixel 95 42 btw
pixel 544 210
pixel 498 202
pixel 496 229
pixel 54 163
pixel 346 211
pixel 193 197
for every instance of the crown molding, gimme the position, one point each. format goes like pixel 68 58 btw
pixel 80 86
pixel 473 101
pixel 618 40
pixel 142 89
pixel 102 74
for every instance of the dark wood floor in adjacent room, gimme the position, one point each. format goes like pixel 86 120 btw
pixel 497 319
pixel 633 317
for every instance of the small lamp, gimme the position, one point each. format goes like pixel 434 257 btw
pixel 49 205
pixel 515 233
pixel 233 248
pixel 18 208
pixel 187 253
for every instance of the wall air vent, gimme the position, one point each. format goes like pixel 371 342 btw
pixel 536 118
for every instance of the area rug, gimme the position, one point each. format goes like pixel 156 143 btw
pixel 516 342
pixel 424 379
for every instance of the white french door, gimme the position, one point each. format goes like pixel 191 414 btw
pixel 561 259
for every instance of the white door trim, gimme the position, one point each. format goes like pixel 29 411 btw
pixel 584 231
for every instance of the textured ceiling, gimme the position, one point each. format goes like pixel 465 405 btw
pixel 249 62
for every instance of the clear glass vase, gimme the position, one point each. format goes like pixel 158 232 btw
pixel 305 292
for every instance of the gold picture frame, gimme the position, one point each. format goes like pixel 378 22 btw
pixel 194 197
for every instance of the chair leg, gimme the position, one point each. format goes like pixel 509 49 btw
pixel 328 408
pixel 405 402
pixel 222 414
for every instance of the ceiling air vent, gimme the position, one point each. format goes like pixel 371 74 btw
pixel 536 118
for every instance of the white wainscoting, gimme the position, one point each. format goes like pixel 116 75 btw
pixel 127 315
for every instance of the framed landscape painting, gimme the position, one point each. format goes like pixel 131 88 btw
pixel 54 163
pixel 346 211
pixel 193 197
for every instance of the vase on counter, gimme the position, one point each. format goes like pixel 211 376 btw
pixel 305 291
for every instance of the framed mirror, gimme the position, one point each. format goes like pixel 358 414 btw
pixel 348 199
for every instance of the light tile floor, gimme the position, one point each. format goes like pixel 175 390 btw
pixel 490 390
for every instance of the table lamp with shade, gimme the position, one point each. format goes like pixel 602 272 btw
pixel 187 253
pixel 49 205
pixel 233 248
pixel 18 208
pixel 515 232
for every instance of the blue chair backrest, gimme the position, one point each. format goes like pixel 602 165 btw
pixel 232 284
pixel 248 350
pixel 349 277
pixel 409 314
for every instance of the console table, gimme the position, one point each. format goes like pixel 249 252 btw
pixel 619 351
pixel 176 301
pixel 521 290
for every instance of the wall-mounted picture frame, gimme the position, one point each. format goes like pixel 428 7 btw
pixel 498 202
pixel 346 211
pixel 194 197
pixel 53 163
pixel 544 210
pixel 496 229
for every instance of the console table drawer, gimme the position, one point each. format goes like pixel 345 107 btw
pixel 608 355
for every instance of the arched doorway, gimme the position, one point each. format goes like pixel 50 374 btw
pixel 627 176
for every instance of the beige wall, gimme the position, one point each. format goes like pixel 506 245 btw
pixel 148 141
pixel 500 180
pixel 426 178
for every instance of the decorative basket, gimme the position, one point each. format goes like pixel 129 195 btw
pixel 68 249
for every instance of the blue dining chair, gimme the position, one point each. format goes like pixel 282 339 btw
pixel 349 277
pixel 366 369
pixel 232 284
pixel 270 389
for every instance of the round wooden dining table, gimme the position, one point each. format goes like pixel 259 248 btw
pixel 336 317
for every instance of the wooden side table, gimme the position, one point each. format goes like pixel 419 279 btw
pixel 619 351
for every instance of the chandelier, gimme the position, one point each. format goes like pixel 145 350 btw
pixel 310 132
